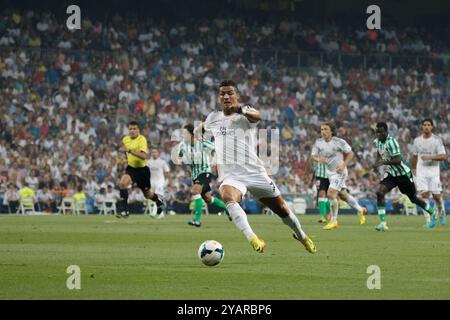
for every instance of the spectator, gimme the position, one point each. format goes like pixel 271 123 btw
pixel 27 195
pixel 45 200
pixel 136 201
pixel 11 198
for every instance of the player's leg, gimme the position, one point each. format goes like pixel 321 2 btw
pixel 332 197
pixel 423 188
pixel 439 201
pixel 279 206
pixel 208 197
pixel 122 204
pixel 322 200
pixel 196 190
pixel 386 185
pixel 407 187
pixel 352 202
pixel 436 190
pixel 337 183
pixel 231 192
pixel 426 197
pixel 143 182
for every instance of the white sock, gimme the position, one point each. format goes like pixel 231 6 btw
pixel 240 219
pixel 425 213
pixel 352 202
pixel 441 206
pixel 293 223
pixel 334 209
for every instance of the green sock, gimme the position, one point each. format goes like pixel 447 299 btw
pixel 219 203
pixel 382 213
pixel 323 207
pixel 198 209
pixel 428 208
pixel 328 206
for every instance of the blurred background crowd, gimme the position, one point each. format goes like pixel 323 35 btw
pixel 66 96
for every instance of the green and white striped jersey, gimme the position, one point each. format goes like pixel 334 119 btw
pixel 320 170
pixel 388 150
pixel 197 156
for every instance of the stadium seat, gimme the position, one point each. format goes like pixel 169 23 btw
pixel 80 206
pixel 24 206
pixel 108 206
pixel 66 206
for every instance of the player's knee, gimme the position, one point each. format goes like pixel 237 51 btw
pixel 331 194
pixel 437 197
pixel 413 198
pixel 207 198
pixel 426 195
pixel 322 193
pixel 380 195
pixel 124 182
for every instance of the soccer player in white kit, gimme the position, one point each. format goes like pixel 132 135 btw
pixel 240 169
pixel 159 171
pixel 428 150
pixel 336 153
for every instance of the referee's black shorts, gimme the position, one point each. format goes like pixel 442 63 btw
pixel 204 179
pixel 140 176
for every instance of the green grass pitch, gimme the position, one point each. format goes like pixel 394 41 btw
pixel 145 258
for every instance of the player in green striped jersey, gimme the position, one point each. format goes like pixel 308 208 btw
pixel 320 173
pixel 197 155
pixel 322 183
pixel 397 174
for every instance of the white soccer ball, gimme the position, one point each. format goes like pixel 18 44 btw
pixel 211 253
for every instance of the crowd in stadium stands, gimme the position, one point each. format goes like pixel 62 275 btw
pixel 65 109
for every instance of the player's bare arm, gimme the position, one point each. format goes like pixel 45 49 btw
pixel 394 161
pixel 140 154
pixel 347 158
pixel 378 163
pixel 437 157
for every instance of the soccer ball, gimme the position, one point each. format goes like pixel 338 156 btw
pixel 211 253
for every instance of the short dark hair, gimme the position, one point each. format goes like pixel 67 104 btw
pixel 133 123
pixel 228 83
pixel 382 125
pixel 331 125
pixel 428 120
pixel 190 128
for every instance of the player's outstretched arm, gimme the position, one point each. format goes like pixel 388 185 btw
pixel 436 157
pixel 394 161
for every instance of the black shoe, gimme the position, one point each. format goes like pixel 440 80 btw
pixel 194 223
pixel 123 214
pixel 159 204
pixel 228 215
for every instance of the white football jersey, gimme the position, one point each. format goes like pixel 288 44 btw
pixel 430 146
pixel 333 151
pixel 235 143
pixel 157 169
